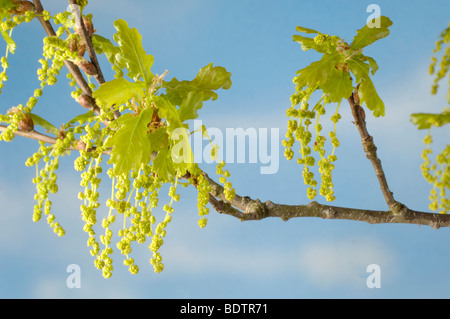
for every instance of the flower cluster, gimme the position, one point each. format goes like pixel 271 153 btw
pixel 16 117
pixel 203 189
pixel 444 64
pixel 46 178
pixel 298 129
pixel 438 175
pixel 134 194
pixel 229 191
pixel 160 230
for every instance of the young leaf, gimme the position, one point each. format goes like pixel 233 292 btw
pixel 119 91
pixel 164 165
pixel 367 35
pixel 190 95
pixel 37 120
pixel 132 53
pixel 317 73
pixel 104 45
pixel 9 41
pixel 213 78
pixel 305 30
pixel 373 64
pixel 5 6
pixel 168 111
pixel 130 144
pixel 358 68
pixel 339 85
pixel 427 120
pixel 82 118
pixel 181 150
pixel 157 139
pixel 308 43
pixel 369 95
pixel 190 105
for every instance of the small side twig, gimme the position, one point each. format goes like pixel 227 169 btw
pixel 371 152
pixel 87 40
pixel 73 69
pixel 34 135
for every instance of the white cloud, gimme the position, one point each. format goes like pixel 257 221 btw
pixel 205 258
pixel 47 287
pixel 343 263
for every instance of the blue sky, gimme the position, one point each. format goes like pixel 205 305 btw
pixel 302 258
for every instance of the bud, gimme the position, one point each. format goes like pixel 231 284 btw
pixel 356 95
pixel 89 26
pixel 76 45
pixel 23 6
pixel 88 67
pixel 86 101
pixel 26 123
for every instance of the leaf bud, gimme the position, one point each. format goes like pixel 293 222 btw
pixel 86 101
pixel 88 67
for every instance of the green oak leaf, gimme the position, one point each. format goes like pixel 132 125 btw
pixel 6 5
pixel 366 89
pixel 130 144
pixel 317 73
pixel 308 43
pixel 368 94
pixel 191 104
pixel 190 95
pixel 82 118
pixel 338 86
pixel 305 30
pixel 104 45
pixel 367 35
pixel 9 41
pixel 359 68
pixel 163 164
pixel 119 91
pixel 168 111
pixel 132 53
pixel 373 64
pixel 158 138
pixel 427 120
pixel 37 120
pixel 181 152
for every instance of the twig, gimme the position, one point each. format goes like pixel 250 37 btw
pixel 371 152
pixel 35 136
pixel 47 139
pixel 73 69
pixel 87 40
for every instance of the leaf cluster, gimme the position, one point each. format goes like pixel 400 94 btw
pixel 157 109
pixel 333 72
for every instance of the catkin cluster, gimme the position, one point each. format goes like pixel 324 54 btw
pixel 302 119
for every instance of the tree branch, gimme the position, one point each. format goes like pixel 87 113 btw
pixel 245 208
